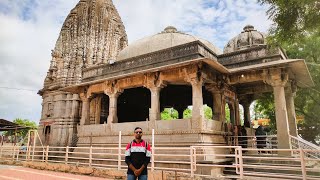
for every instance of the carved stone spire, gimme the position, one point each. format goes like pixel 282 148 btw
pixel 91 35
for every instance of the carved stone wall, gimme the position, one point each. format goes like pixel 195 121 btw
pixel 91 35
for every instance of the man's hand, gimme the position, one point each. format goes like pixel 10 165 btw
pixel 139 171
pixel 132 168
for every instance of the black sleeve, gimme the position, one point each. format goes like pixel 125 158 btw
pixel 146 162
pixel 128 160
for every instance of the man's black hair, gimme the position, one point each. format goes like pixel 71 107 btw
pixel 137 128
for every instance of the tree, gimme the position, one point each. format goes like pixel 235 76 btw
pixel 26 123
pixel 22 133
pixel 227 111
pixel 293 19
pixel 207 112
pixel 187 114
pixel 264 108
pixel 169 114
pixel 296 28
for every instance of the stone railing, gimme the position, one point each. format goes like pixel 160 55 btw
pixel 157 59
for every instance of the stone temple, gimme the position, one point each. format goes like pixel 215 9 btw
pixel 98 85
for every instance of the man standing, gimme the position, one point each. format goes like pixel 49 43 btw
pixel 138 153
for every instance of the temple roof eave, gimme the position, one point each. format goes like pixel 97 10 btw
pixel 212 63
pixel 298 67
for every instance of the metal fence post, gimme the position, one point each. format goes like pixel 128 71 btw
pixel 90 156
pixel 119 152
pixel 303 164
pixel 13 153
pixel 34 144
pixel 67 155
pixel 18 154
pixel 191 162
pixel 152 152
pixel 240 162
pixel 236 160
pixel 47 154
pixel 1 151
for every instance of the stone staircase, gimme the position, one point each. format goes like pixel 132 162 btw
pixel 273 169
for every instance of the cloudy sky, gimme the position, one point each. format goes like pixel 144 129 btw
pixel 30 28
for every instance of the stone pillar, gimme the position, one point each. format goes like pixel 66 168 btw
pixel 180 110
pixel 217 106
pixel 85 115
pixel 155 104
pixel 75 106
pixel 68 106
pixel 291 112
pixel 278 80
pixel 97 115
pixel 232 113
pixel 246 113
pixel 237 112
pixel 59 105
pixel 197 104
pixel 113 107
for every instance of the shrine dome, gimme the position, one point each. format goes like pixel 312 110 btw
pixel 248 38
pixel 168 38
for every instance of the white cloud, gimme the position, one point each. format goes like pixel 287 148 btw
pixel 30 28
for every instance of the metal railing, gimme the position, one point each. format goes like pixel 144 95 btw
pixel 268 141
pixel 199 160
pixel 299 143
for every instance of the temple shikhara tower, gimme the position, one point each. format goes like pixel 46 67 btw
pixel 98 85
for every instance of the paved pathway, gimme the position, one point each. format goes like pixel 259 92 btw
pixel 22 173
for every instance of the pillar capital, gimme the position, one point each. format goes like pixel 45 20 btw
pixel 153 81
pixel 113 93
pixel 215 88
pixel 276 77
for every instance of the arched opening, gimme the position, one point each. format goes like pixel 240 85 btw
pixel 134 104
pixel 178 97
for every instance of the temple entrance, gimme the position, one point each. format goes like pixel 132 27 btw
pixel 134 104
pixel 104 109
pixel 99 109
pixel 47 134
pixel 178 97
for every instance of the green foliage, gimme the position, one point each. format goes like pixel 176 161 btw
pixel 23 132
pixel 307 101
pixel 26 123
pixel 169 114
pixel 207 112
pixel 227 112
pixel 264 108
pixel 293 19
pixel 297 29
pixel 187 114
